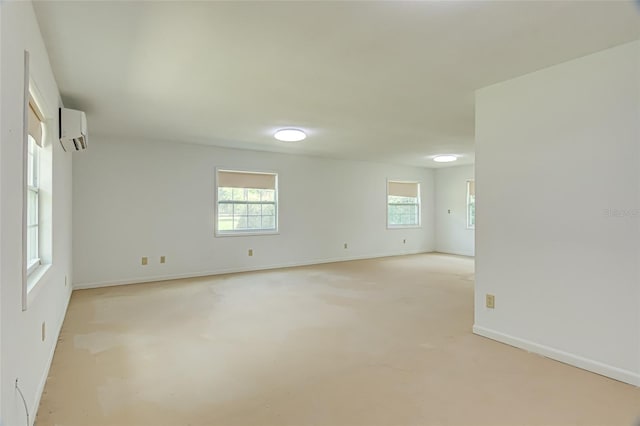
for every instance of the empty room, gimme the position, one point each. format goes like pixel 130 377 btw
pixel 263 213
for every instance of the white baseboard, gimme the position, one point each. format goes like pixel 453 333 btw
pixel 454 253
pixel 126 281
pixel 558 355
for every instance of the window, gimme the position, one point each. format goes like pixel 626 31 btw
pixel 34 144
pixel 403 204
pixel 471 204
pixel 247 202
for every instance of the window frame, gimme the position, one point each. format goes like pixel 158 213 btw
pixel 33 160
pixel 418 204
pixel 469 203
pixel 36 273
pixel 248 232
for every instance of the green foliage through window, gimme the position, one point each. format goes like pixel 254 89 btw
pixel 246 209
pixel 402 211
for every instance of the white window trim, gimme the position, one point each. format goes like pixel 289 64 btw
pixel 33 266
pixel 250 232
pixel 386 206
pixel 35 274
pixel 36 281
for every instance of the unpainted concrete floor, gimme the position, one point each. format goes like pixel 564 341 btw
pixel 374 342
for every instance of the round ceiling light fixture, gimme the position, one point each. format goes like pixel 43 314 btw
pixel 444 158
pixel 290 135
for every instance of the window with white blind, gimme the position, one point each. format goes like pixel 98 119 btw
pixel 34 145
pixel 403 204
pixel 247 202
pixel 471 204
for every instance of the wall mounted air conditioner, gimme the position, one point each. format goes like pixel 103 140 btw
pixel 73 129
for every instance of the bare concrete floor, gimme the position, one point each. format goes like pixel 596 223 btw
pixel 375 342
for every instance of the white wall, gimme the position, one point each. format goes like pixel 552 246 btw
pixel 24 355
pixel 558 219
pixel 134 199
pixel 452 234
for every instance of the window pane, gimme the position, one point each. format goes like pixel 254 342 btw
pixel 32 207
pixel 239 194
pixel 268 222
pixel 402 200
pixel 30 160
pixel 255 209
pixel 240 209
pixel 471 205
pixel 254 222
pixel 32 201
pixel 268 195
pixel 32 244
pixel 403 214
pixel 268 209
pixel 225 194
pixel 241 222
pixel 225 209
pixel 254 194
pixel 225 223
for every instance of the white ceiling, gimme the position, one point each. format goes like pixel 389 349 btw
pixel 378 81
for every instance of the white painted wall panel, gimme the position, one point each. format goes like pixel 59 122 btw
pixel 564 267
pixel 24 355
pixel 157 199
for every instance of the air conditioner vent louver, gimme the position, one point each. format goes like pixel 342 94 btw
pixel 73 129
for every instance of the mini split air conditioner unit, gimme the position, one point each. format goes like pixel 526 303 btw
pixel 73 129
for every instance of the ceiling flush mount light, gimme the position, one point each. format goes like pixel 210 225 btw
pixel 444 158
pixel 290 135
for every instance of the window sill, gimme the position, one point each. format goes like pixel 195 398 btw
pixel 35 280
pixel 246 234
pixel 404 227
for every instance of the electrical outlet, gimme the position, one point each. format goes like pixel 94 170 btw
pixel 345 245
pixel 44 330
pixel 250 252
pixel 491 301
pixel 145 260
pixel 163 259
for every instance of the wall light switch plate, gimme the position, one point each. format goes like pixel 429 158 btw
pixel 250 252
pixel 163 259
pixel 145 261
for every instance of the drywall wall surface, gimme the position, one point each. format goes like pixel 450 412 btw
pixel 558 235
pixel 25 355
pixel 148 198
pixel 452 234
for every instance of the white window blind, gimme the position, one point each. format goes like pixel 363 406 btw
pixel 34 126
pixel 231 179
pixel 403 189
